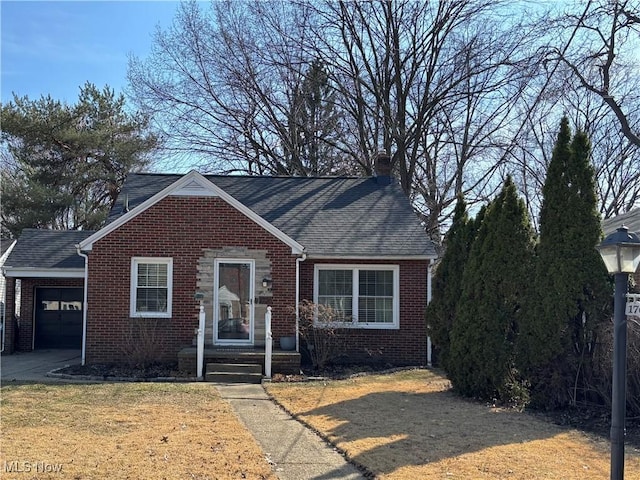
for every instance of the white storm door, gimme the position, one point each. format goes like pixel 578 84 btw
pixel 233 292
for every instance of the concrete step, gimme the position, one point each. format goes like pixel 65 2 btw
pixel 232 377
pixel 234 368
pixel 233 373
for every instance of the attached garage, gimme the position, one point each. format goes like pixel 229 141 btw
pixel 49 311
pixel 58 318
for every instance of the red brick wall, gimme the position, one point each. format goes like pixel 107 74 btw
pixel 406 346
pixel 177 227
pixel 27 315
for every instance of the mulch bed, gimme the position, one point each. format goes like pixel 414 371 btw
pixel 148 372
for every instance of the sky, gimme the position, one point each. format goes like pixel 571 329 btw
pixel 54 48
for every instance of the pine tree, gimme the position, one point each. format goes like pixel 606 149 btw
pixel 447 281
pixel 64 164
pixel 493 287
pixel 314 125
pixel 570 293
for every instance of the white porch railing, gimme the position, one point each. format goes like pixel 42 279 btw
pixel 268 343
pixel 200 343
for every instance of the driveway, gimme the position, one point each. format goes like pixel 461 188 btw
pixel 34 366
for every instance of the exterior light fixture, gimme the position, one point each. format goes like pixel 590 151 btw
pixel 267 282
pixel 620 252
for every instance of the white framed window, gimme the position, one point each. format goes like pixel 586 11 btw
pixel 363 296
pixel 151 286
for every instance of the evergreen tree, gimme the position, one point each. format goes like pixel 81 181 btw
pixel 314 125
pixel 481 363
pixel 64 164
pixel 447 281
pixel 571 292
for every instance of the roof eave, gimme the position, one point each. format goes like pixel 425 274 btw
pixel 311 256
pixel 34 272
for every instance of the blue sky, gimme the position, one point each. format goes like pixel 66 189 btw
pixel 53 48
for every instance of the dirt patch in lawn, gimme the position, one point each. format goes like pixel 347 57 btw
pixel 124 431
pixel 410 425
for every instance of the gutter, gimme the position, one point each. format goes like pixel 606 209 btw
pixel 299 260
pixel 84 303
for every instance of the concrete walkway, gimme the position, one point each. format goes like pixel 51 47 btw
pixel 296 452
pixel 34 366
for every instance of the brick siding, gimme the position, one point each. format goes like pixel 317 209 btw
pixel 405 346
pixel 182 228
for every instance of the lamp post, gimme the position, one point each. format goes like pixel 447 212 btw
pixel 620 252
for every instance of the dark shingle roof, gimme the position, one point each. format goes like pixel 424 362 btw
pixel 631 219
pixel 5 243
pixel 45 249
pixel 329 216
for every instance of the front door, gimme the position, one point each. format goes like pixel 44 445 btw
pixel 233 302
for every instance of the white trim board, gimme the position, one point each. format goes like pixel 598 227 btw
pixel 26 272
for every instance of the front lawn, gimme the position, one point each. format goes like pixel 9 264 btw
pixel 124 431
pixel 409 425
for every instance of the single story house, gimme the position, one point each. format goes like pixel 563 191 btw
pixel 244 243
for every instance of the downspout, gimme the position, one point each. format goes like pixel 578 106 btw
pixel 429 268
pixel 300 259
pixel 84 303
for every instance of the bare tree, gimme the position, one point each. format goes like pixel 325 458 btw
pixel 226 83
pixel 441 86
pixel 432 83
pixel 604 57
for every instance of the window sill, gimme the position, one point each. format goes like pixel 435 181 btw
pixel 360 326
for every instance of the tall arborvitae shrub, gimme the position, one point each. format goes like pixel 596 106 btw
pixel 447 281
pixel 570 293
pixel 496 277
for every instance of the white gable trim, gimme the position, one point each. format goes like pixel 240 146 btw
pixel 192 184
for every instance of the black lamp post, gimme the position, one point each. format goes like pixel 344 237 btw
pixel 620 252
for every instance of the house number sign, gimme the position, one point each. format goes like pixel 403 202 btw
pixel 633 305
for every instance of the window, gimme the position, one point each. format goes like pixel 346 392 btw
pixel 151 287
pixel 365 296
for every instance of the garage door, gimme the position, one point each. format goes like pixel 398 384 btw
pixel 58 318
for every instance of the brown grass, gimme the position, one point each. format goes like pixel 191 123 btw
pixel 125 431
pixel 410 425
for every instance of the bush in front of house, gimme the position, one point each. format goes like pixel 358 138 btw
pixel 482 356
pixel 318 327
pixel 570 295
pixel 447 280
pixel 143 343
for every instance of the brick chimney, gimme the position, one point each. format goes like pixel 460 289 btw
pixel 383 168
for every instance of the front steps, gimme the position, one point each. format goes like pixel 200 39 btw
pixel 285 362
pixel 233 373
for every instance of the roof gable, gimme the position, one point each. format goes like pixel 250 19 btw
pixel 191 184
pixel 332 217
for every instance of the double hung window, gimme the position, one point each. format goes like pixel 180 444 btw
pixel 151 287
pixel 365 296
